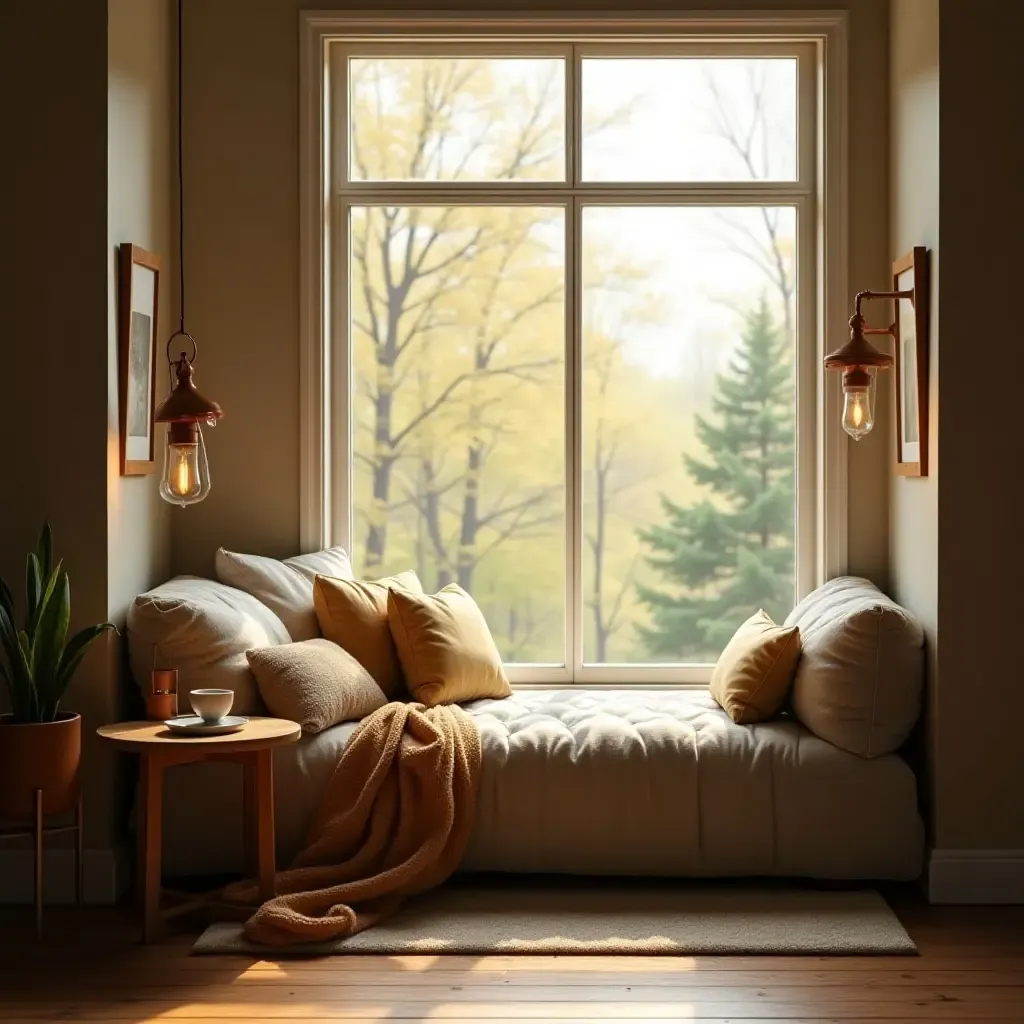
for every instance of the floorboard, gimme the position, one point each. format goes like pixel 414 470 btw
pixel 92 968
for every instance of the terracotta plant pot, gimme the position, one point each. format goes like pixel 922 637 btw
pixel 39 755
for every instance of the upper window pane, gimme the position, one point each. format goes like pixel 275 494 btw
pixel 667 119
pixel 457 119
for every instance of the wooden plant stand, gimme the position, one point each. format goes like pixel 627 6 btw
pixel 37 833
pixel 158 748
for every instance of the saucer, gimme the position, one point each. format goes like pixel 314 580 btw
pixel 193 725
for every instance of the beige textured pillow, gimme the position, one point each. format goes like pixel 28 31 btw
pixel 447 652
pixel 755 671
pixel 859 679
pixel 354 614
pixel 314 683
pixel 285 587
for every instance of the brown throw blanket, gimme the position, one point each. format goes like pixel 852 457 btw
pixel 394 821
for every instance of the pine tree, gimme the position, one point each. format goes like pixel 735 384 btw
pixel 730 553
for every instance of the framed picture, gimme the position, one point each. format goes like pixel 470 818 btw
pixel 911 336
pixel 138 280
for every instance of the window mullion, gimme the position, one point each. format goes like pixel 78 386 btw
pixel 574 437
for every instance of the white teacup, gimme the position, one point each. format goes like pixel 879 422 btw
pixel 211 705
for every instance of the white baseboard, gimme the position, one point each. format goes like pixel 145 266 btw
pixel 976 876
pixel 106 874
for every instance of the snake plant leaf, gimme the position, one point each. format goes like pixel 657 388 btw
pixel 51 634
pixel 48 590
pixel 9 635
pixel 33 583
pixel 23 669
pixel 37 662
pixel 72 657
pixel 44 549
pixel 13 693
pixel 6 599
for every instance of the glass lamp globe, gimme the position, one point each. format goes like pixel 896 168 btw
pixel 186 475
pixel 858 410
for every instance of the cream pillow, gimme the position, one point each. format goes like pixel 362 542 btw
pixel 285 587
pixel 755 671
pixel 203 629
pixel 859 679
pixel 447 652
pixel 314 683
pixel 354 615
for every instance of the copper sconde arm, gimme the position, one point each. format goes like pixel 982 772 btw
pixel 861 296
pixel 858 358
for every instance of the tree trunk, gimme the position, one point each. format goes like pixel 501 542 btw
pixel 466 562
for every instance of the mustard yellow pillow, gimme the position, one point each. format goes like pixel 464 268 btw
pixel 447 652
pixel 756 669
pixel 354 615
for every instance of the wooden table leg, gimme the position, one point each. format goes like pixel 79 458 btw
pixel 150 840
pixel 265 862
pixel 249 805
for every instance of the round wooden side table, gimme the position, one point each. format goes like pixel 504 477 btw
pixel 158 748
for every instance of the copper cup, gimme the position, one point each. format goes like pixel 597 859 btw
pixel 162 699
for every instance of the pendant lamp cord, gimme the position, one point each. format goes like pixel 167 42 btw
pixel 181 188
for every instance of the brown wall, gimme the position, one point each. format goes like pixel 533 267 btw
pixel 54 349
pixel 86 169
pixel 241 143
pixel 980 696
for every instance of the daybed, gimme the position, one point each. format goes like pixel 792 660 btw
pixel 629 781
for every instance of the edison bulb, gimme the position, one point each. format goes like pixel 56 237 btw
pixel 186 477
pixel 858 415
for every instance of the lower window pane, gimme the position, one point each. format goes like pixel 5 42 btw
pixel 457 320
pixel 688 422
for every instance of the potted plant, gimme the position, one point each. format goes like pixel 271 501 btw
pixel 40 745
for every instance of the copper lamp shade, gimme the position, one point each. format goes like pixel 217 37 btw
pixel 185 404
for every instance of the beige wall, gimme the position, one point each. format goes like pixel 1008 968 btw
pixel 139 197
pixel 980 697
pixel 914 220
pixel 242 166
pixel 87 168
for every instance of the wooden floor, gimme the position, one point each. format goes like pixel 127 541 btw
pixel 971 968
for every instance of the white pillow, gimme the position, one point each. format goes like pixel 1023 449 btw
pixel 285 587
pixel 860 675
pixel 203 629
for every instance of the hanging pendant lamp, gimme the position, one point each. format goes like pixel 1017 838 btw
pixel 186 475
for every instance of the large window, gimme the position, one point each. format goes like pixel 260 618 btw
pixel 572 307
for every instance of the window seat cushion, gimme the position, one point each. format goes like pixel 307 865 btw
pixel 619 782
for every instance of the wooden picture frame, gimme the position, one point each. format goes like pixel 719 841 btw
pixel 138 294
pixel 910 335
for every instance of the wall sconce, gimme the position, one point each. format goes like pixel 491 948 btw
pixel 860 361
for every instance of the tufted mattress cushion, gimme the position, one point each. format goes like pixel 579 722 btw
pixel 648 782
pixel 663 782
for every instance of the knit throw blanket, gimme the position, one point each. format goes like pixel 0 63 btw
pixel 394 821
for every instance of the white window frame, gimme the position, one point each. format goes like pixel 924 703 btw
pixel 819 196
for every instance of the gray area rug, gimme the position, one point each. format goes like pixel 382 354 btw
pixel 602 921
